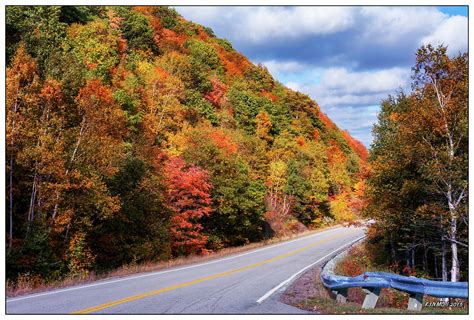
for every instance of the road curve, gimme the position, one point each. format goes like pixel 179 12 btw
pixel 230 285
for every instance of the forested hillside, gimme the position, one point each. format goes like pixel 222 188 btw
pixel 418 189
pixel 134 135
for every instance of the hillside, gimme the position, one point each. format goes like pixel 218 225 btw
pixel 134 135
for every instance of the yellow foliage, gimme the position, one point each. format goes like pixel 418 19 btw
pixel 340 209
pixel 277 175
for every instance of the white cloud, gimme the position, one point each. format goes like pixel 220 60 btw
pixel 392 25
pixel 265 23
pixel 294 86
pixel 275 66
pixel 451 32
pixel 341 80
pixel 381 25
pixel 350 99
pixel 352 118
pixel 339 86
pixel 260 24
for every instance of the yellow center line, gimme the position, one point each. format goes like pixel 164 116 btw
pixel 215 276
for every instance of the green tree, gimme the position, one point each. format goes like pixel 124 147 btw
pixel 39 27
pixel 136 29
pixel 94 45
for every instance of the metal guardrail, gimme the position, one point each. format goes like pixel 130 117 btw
pixel 373 282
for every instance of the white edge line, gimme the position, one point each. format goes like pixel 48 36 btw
pixel 165 271
pixel 278 287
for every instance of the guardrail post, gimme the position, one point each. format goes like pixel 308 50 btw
pixel 371 298
pixel 341 295
pixel 415 302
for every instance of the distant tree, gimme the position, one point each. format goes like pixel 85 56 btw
pixel 264 125
pixel 136 29
pixel 203 53
pixel 168 17
pixel 39 27
pixel 95 46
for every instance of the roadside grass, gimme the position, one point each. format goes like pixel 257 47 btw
pixel 328 306
pixel 390 301
pixel 27 284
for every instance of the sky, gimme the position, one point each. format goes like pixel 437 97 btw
pixel 347 59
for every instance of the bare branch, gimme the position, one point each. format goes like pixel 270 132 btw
pixel 455 241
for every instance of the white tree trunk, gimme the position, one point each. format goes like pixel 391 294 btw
pixel 454 251
pixel 31 210
pixel 453 237
pixel 56 206
pixel 452 204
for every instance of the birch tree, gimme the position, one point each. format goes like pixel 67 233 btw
pixel 439 121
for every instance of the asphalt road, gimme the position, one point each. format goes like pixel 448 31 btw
pixel 229 285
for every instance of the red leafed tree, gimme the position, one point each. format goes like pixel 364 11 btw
pixel 269 95
pixel 217 95
pixel 300 141
pixel 356 145
pixel 226 145
pixel 116 22
pixel 316 134
pixel 202 34
pixel 188 197
pixel 334 153
pixel 234 63
pixel 171 39
pixel 327 122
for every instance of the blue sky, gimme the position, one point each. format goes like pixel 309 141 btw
pixel 455 10
pixel 346 58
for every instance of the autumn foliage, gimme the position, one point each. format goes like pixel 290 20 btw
pixel 133 135
pixel 234 63
pixel 356 145
pixel 327 122
pixel 217 95
pixel 223 142
pixel 188 197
